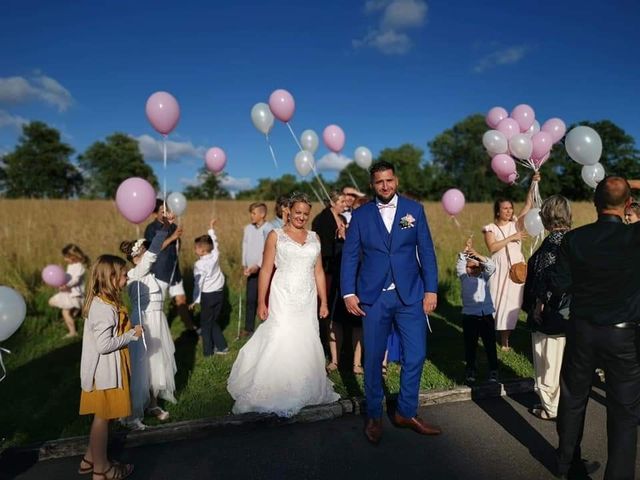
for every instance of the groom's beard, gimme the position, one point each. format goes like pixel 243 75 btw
pixel 384 200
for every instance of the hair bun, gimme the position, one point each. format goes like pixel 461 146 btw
pixel 126 246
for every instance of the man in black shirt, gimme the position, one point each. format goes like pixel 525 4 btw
pixel 167 267
pixel 597 265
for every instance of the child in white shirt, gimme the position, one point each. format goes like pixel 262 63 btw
pixel 207 291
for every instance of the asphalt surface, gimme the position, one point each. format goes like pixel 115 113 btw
pixel 484 439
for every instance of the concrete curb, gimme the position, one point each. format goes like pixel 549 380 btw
pixel 73 446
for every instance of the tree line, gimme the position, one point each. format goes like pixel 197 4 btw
pixel 42 166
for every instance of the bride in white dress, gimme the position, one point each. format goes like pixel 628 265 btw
pixel 281 368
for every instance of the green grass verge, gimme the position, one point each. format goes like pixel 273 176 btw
pixel 39 398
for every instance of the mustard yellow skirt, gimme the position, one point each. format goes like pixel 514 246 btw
pixel 113 402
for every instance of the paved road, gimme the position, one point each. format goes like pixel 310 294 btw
pixel 487 439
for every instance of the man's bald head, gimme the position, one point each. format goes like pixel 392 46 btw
pixel 612 193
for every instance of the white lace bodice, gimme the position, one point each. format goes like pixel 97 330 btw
pixel 295 263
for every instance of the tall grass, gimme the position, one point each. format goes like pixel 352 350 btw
pixel 39 398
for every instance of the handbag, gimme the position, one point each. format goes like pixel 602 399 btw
pixel 517 271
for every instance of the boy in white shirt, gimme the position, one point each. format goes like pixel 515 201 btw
pixel 207 291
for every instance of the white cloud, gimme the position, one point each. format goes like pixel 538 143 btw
pixel 12 121
pixel 389 43
pixel 333 161
pixel 401 14
pixel 504 56
pixel 15 90
pixel 389 37
pixel 234 184
pixel 151 149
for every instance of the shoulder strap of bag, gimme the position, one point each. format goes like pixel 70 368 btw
pixel 506 246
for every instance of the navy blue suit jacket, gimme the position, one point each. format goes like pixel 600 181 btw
pixel 370 253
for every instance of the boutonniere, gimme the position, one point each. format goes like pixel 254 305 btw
pixel 407 221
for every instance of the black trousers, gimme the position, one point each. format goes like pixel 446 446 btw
pixel 615 349
pixel 212 337
pixel 479 326
pixel 251 302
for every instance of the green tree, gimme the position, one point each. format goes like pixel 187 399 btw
pixel 109 163
pixel 40 166
pixel 272 188
pixel 354 172
pixel 208 188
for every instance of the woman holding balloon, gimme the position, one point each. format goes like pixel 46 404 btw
pixel 503 238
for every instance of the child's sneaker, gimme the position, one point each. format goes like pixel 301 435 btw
pixel 470 376
pixel 493 376
pixel 221 352
pixel 134 425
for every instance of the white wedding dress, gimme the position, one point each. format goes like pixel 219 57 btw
pixel 282 367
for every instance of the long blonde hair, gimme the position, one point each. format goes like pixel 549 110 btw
pixel 104 280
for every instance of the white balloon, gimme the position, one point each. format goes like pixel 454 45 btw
pixel 304 162
pixel 533 129
pixel 262 117
pixel 533 222
pixel 177 203
pixel 520 146
pixel 12 312
pixel 583 145
pixel 363 157
pixel 592 174
pixel 309 141
pixel 495 142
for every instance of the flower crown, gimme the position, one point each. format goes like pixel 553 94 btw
pixel 135 250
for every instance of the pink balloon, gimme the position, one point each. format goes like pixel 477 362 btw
pixel 538 162
pixel 54 275
pixel 510 178
pixel 503 164
pixel 333 137
pixel 282 105
pixel 524 115
pixel 555 127
pixel 215 159
pixel 509 127
pixel 135 199
pixel 453 201
pixel 163 112
pixel 495 115
pixel 542 143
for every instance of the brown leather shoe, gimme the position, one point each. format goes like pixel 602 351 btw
pixel 416 424
pixel 373 430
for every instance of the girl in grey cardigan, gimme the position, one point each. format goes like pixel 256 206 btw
pixel 104 366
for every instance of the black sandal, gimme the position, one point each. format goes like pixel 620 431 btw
pixel 85 470
pixel 120 471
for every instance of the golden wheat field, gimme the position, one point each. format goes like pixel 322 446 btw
pixel 33 232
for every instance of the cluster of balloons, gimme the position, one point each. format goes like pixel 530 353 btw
pixel 282 106
pixel 519 138
pixel 12 312
pixel 584 146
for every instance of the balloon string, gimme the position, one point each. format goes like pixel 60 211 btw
pixel 273 155
pixel 324 189
pixel 4 370
pixel 353 180
pixel 294 136
pixel 144 342
pixel 239 309
pixel 455 220
pixel 164 180
pixel 137 231
pixel 315 192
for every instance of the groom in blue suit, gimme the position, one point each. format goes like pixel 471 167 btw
pixel 389 274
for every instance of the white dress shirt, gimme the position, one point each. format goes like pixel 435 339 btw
pixel 207 276
pixel 388 211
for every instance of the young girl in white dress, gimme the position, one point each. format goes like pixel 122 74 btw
pixel 281 368
pixel 70 297
pixel 153 365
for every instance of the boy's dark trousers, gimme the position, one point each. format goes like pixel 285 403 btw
pixel 252 302
pixel 211 307
pixel 479 326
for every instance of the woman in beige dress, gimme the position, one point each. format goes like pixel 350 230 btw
pixel 506 232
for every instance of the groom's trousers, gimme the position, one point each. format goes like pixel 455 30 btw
pixel 412 325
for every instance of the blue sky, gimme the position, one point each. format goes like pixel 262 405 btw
pixel 386 71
